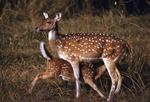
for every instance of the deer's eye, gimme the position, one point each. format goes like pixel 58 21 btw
pixel 48 22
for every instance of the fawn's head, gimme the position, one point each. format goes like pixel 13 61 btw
pixel 48 23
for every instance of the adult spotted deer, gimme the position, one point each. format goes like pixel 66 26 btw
pixel 59 67
pixel 87 47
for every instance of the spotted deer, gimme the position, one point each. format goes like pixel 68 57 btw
pixel 87 47
pixel 59 67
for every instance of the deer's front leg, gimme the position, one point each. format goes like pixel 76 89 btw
pixel 75 66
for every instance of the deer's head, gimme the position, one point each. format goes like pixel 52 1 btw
pixel 48 23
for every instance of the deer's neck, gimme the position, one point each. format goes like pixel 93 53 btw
pixel 52 39
pixel 52 35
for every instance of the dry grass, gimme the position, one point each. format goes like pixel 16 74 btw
pixel 20 58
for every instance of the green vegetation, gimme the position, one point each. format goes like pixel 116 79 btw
pixel 21 60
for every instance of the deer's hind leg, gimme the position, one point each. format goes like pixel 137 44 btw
pixel 110 65
pixel 119 81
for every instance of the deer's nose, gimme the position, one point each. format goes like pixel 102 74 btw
pixel 36 28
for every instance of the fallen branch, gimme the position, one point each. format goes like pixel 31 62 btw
pixel 133 23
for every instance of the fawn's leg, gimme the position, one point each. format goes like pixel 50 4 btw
pixel 92 84
pixel 100 71
pixel 44 75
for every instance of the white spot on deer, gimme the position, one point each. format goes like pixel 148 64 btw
pixel 85 43
pixel 113 56
pixel 95 37
pixel 58 46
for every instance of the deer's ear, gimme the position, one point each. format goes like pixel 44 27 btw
pixel 58 16
pixel 45 15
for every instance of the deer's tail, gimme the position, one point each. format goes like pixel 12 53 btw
pixel 128 50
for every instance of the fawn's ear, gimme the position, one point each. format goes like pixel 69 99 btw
pixel 45 15
pixel 58 16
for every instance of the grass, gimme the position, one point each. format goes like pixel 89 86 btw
pixel 21 60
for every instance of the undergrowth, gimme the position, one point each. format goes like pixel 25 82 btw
pixel 21 60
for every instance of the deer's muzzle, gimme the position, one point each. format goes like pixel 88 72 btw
pixel 37 28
